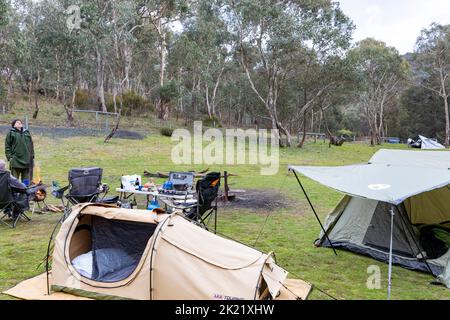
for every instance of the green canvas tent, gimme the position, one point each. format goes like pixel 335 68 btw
pixel 388 202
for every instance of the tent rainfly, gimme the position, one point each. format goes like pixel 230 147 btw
pixel 389 203
pixel 104 252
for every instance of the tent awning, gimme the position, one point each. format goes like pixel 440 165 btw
pixel 386 177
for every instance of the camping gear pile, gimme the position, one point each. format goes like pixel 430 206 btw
pixel 105 252
pixel 424 143
pixel 178 183
pixel 131 182
pixel 182 181
pixel 389 206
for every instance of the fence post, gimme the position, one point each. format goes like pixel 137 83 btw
pixel 225 176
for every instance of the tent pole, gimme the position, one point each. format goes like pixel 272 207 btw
pixel 314 210
pixel 390 254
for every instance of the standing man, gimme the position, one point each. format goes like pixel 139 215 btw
pixel 19 151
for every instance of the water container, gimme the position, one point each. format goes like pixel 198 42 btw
pixel 168 185
pixel 153 205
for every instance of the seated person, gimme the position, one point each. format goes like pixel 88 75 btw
pixel 18 188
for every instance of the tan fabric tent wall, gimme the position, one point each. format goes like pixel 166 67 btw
pixel 180 261
pixel 431 207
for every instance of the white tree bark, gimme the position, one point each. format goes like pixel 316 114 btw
pixel 100 80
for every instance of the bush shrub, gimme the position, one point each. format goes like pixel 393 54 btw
pixel 168 91
pixel 109 101
pixel 214 122
pixel 86 100
pixel 347 134
pixel 167 132
pixel 134 103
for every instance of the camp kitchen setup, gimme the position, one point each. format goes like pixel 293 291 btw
pixel 178 190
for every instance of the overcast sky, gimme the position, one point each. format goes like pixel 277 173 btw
pixel 396 22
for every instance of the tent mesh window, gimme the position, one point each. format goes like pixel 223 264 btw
pixel 115 249
pixel 378 233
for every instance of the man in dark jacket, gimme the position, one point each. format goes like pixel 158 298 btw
pixel 20 151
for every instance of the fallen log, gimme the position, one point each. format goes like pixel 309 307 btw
pixel 155 175
pixel 53 208
pixel 164 175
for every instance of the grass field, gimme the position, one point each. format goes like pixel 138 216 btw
pixel 52 114
pixel 289 232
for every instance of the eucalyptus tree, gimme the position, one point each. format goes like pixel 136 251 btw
pixel 272 37
pixel 382 74
pixel 432 55
pixel 319 86
pixel 62 52
pixel 123 23
pixel 31 67
pixel 212 38
pixel 4 8
pixel 12 49
pixel 161 16
pixel 97 24
pixel 421 113
pixel 4 11
pixel 203 52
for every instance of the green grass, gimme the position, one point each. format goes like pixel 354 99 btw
pixel 289 232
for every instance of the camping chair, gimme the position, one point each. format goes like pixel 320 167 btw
pixel 12 205
pixel 207 193
pixel 85 186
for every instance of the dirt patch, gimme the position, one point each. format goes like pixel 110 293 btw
pixel 261 200
pixel 62 132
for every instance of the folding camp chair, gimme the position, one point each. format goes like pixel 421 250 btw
pixel 12 204
pixel 207 193
pixel 85 186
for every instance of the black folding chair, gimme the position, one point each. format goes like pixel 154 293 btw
pixel 12 204
pixel 207 193
pixel 85 186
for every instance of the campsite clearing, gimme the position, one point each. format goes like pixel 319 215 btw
pixel 290 231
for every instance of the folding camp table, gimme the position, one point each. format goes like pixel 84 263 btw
pixel 125 194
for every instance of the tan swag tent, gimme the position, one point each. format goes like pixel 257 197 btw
pixel 103 252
